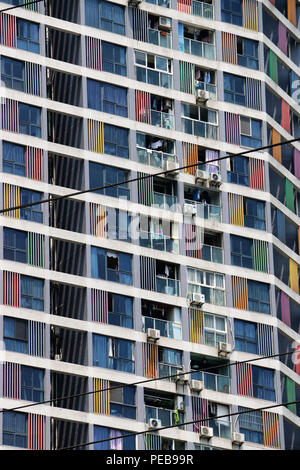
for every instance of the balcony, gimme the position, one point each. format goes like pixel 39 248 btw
pixel 216 382
pixel 203 9
pixel 200 129
pixel 212 89
pixel 165 370
pixel 165 285
pixel 159 38
pixel 157 241
pixel 167 417
pixel 160 119
pixel 206 211
pixel 168 329
pixel 157 159
pixel 199 48
pixel 165 201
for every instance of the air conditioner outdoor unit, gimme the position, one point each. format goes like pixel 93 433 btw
pixel 196 385
pixel 165 23
pixel 202 175
pixel 215 179
pixel 198 299
pixel 224 349
pixel 172 166
pixel 189 209
pixel 181 379
pixel 202 96
pixel 152 334
pixel 238 438
pixel 179 404
pixel 206 432
pixel 58 357
pixel 154 423
pixel 134 3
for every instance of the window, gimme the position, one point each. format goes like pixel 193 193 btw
pixel 14 159
pixel 113 58
pixel 122 401
pixel 170 361
pixel 250 132
pixel 199 121
pixel 105 15
pixel 32 384
pixel 241 251
pixel 263 383
pixel 108 98
pixel 101 433
pixel 15 429
pixel 112 266
pixel 154 151
pixel 212 285
pixel 214 329
pixel 251 425
pixel 234 89
pixel 232 12
pixel 120 310
pixel 254 214
pixel 32 293
pixel 116 141
pixel 153 69
pixel 28 36
pixel 16 335
pixel 113 353
pixel 29 120
pixel 247 53
pixel 245 336
pixel 13 73
pixel 33 213
pixel 118 224
pixel 14 245
pixel 258 297
pixel 102 175
pixel 239 171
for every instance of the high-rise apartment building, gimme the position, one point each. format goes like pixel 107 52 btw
pixel 196 269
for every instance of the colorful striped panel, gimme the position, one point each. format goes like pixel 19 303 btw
pixel 273 66
pixel 12 380
pixel 187 77
pixel 253 94
pixel 297 357
pixel 35 249
pixel 11 289
pixel 34 163
pixel 98 220
pixel 260 256
pixel 229 48
pixel 265 340
pixel 250 14
pixel 8 30
pixel 101 399
pixel 285 308
pixel 96 136
pixel 10 115
pixel 285 116
pixel 145 190
pixel 186 6
pixel 256 174
pixel 148 273
pixel 36 338
pixel 36 432
pixel 244 380
pixel 232 129
pixel 190 157
pixel 200 412
pixel 150 360
pixel 240 293
pixel 196 326
pixel 193 241
pixel 291 7
pixel 276 139
pixel 289 195
pixel 140 24
pixel 294 281
pixel 143 106
pixel 297 163
pixel 299 240
pixel 290 387
pixel 282 38
pixel 33 78
pixel 99 305
pixel 11 198
pixel 93 53
pixel 270 429
pixel 236 209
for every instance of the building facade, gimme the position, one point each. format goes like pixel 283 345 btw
pixel 193 270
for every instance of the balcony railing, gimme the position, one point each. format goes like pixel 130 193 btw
pixel 206 211
pixel 167 329
pixel 216 382
pixel 160 119
pixel 157 159
pixel 200 129
pixel 199 48
pixel 158 242
pixel 212 253
pixel 167 417
pixel 165 201
pixel 212 89
pixel 159 38
pixel 166 370
pixel 164 285
pixel 203 9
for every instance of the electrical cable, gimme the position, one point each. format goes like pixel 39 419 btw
pixel 182 424
pixel 140 178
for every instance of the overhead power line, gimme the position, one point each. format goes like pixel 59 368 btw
pixel 140 178
pixel 178 374
pixel 182 424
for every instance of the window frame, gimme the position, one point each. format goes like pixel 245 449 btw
pixel 160 72
pixel 31 44
pixel 245 341
pixel 15 433
pixel 29 127
pixel 11 148
pixel 214 288
pixel 113 63
pixel 11 77
pixel 32 389
pixel 19 255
